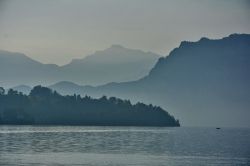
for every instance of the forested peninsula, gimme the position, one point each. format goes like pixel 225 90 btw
pixel 46 107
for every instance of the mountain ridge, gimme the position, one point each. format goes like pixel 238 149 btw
pixel 17 68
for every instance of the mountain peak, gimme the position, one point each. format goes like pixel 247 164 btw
pixel 65 83
pixel 205 40
pixel 116 46
pixel 239 35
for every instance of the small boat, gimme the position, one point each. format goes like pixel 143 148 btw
pixel 217 128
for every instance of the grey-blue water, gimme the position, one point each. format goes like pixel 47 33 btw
pixel 120 146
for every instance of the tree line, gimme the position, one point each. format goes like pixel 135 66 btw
pixel 44 106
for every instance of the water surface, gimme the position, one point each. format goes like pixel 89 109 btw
pixel 112 146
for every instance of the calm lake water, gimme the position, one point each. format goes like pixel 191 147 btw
pixel 120 146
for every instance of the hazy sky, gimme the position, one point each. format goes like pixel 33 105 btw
pixel 56 31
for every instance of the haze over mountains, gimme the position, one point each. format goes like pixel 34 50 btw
pixel 203 83
pixel 115 64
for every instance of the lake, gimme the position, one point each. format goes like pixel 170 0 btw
pixel 120 146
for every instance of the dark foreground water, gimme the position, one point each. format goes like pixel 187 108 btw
pixel 119 146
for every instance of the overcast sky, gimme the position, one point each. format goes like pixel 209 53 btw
pixel 56 31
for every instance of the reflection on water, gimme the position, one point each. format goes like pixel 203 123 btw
pixel 54 145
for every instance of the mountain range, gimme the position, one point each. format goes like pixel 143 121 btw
pixel 202 83
pixel 114 64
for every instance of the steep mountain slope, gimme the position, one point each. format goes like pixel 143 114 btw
pixel 203 83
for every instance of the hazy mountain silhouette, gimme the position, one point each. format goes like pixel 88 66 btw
pixel 115 64
pixel 17 68
pixel 202 83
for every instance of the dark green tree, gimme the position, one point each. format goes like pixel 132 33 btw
pixel 2 91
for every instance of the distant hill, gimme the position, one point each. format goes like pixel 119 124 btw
pixel 22 88
pixel 17 68
pixel 203 83
pixel 115 64
pixel 46 107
